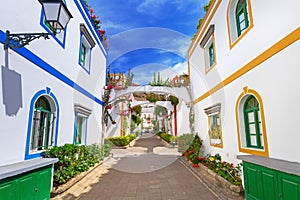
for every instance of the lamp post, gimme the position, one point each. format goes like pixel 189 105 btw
pixel 56 14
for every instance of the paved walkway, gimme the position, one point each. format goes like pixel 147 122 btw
pixel 149 170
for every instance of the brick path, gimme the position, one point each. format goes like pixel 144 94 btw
pixel 149 170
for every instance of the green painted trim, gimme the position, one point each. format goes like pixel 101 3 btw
pixel 241 9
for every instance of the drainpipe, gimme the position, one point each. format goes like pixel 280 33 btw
pixel 175 121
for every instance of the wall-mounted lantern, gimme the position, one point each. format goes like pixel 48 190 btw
pixel 56 14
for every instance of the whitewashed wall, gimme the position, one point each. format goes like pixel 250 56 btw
pixel 24 16
pixel 276 79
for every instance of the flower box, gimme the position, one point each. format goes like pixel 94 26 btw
pixel 220 186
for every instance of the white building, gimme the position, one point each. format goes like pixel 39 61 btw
pixel 51 90
pixel 243 67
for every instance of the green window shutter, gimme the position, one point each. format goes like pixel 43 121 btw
pixel 252 123
pixel 83 54
pixel 42 128
pixel 242 21
pixel 211 54
pixel 80 129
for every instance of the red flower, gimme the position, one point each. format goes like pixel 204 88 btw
pixel 109 107
pixel 101 32
pixel 195 165
pixel 94 16
pixel 91 11
pixel 108 87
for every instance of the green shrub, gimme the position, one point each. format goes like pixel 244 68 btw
pixel 166 137
pixel 227 170
pixel 184 141
pixel 159 133
pixel 99 152
pixel 74 159
pixel 194 150
pixel 122 140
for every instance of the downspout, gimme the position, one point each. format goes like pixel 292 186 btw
pixel 175 121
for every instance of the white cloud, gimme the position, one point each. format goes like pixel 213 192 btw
pixel 181 67
pixel 109 25
pixel 148 6
pixel 143 74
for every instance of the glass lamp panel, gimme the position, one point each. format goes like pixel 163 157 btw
pixel 51 11
pixel 63 17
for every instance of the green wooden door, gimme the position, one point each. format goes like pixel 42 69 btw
pixel 33 185
pixel 251 179
pixel 268 184
pixel 43 184
pixel 25 187
pixel 289 186
pixel 262 183
pixel 7 190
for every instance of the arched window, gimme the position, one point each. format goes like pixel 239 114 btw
pixel 43 122
pixel 252 123
pixel 239 20
pixel 42 125
pixel 241 14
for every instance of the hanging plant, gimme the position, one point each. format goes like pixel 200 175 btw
pixel 174 100
pixel 96 21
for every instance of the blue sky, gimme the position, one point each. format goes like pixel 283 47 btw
pixel 149 35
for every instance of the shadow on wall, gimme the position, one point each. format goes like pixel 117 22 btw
pixel 11 91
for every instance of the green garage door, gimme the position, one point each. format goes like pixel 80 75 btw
pixel 33 185
pixel 262 183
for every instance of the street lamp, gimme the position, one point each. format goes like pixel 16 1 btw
pixel 56 14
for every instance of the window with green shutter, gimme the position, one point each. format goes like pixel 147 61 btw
pixel 87 43
pixel 252 121
pixel 42 126
pixel 211 54
pixel 80 129
pixel 242 20
pixel 83 53
pixel 82 114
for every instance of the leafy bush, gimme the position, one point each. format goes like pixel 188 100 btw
pixel 74 159
pixel 227 170
pixel 184 141
pixel 123 140
pixel 159 133
pixel 194 150
pixel 99 152
pixel 166 137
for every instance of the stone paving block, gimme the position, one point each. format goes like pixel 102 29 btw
pixel 171 182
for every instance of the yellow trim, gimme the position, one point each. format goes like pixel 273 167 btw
pixel 265 151
pixel 203 27
pixel 221 138
pixel 277 47
pixel 205 55
pixel 189 70
pixel 251 24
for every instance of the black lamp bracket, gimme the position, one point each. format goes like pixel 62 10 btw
pixel 21 39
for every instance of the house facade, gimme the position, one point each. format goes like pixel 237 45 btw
pixel 51 90
pixel 243 68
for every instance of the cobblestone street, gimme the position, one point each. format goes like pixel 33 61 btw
pixel 149 170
